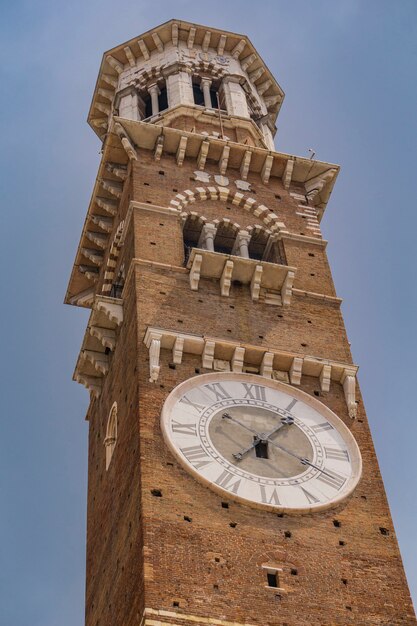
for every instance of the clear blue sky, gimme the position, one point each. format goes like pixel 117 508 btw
pixel 348 68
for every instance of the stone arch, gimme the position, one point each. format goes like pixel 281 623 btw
pixel 224 194
pixel 111 434
pixel 112 260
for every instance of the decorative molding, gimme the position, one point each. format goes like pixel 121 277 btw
pixel 268 362
pixel 100 337
pixel 112 260
pixel 272 281
pixel 223 194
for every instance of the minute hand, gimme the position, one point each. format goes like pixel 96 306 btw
pixel 300 458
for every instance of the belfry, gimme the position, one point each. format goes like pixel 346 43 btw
pixel 232 477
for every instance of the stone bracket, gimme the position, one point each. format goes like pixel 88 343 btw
pixel 268 362
pixel 348 380
pixel 272 279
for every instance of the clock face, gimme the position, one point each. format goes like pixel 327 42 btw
pixel 261 442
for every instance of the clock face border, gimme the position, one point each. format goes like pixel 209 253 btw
pixel 182 388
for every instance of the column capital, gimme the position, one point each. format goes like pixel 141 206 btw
pixel 153 89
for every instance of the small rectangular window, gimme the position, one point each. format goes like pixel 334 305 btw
pixel 272 578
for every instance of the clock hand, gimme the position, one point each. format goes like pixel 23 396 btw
pixel 263 437
pixel 232 419
pixel 302 460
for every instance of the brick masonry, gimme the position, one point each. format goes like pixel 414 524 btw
pixel 183 556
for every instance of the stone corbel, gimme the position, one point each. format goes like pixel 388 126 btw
pixel 113 187
pixel 315 185
pixel 174 34
pixel 106 336
pixel 118 67
pixel 104 108
pixel 202 155
pixel 255 285
pixel 126 142
pixel 110 80
pixel 226 278
pixel 238 359
pixel 256 74
pixel 248 61
pixel 158 42
pixel 267 365
pixel 177 350
pixel 264 87
pixel 191 37
pixel 98 360
pixel 325 376
pixel 91 383
pixel 195 272
pixel 159 146
pixel 348 380
pixel 154 352
pixel 89 272
pixel 296 370
pixel 287 175
pixel 221 45
pixel 110 206
pixel 130 56
pixel 181 150
pixel 266 168
pixel 95 256
pixel 100 239
pixel 117 169
pixel 286 290
pixel 105 223
pixel 224 160
pixel 245 164
pixel 112 310
pixel 238 49
pixel 208 354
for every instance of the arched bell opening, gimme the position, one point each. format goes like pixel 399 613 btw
pixel 225 238
pixel 192 229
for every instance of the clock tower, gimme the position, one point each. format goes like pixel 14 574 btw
pixel 232 476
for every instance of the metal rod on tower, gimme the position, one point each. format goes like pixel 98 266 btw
pixel 220 115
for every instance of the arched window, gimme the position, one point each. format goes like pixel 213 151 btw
pixel 111 434
pixel 205 92
pixel 264 247
pixel 193 225
pixel 225 237
pixel 258 243
pixel 155 100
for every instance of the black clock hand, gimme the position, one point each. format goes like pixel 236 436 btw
pixel 263 437
pixel 232 419
pixel 302 460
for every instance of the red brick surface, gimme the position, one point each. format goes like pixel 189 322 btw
pixel 141 552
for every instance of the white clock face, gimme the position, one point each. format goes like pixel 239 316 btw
pixel 261 442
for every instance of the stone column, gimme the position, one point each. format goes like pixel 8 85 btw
pixel 241 247
pixel 205 88
pixel 154 92
pixel 207 236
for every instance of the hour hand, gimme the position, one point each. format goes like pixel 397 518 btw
pixel 263 437
pixel 239 455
